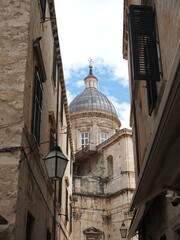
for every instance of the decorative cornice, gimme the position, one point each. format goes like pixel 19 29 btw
pixel 60 66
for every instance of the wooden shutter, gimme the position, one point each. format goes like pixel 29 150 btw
pixel 143 43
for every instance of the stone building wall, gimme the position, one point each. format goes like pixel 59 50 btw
pixel 25 187
pixel 102 201
pixel 167 14
pixel 156 135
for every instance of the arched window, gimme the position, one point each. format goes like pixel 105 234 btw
pixel 110 165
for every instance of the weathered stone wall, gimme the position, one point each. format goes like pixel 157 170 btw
pixel 14 28
pixel 168 31
pixel 24 184
pixel 102 201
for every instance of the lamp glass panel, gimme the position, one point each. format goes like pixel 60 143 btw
pixel 61 166
pixel 51 154
pixel 50 165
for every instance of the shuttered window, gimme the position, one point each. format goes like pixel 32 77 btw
pixel 143 43
pixel 37 106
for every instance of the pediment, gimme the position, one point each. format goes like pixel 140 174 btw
pixel 92 230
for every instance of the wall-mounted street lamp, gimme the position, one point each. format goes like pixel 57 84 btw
pixel 56 163
pixel 123 230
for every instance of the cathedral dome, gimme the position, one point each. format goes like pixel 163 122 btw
pixel 91 98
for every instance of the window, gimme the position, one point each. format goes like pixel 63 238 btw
pixel 62 108
pixel 52 139
pixel 84 139
pixel 29 226
pixel 144 50
pixel 70 226
pixel 151 95
pixel 67 219
pixel 103 137
pixel 178 233
pixel 37 106
pixel 54 65
pixel 67 143
pixel 60 192
pixel 43 7
pixel 110 165
pixel 163 237
pixel 143 43
pixel 48 235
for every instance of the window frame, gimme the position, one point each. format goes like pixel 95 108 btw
pixel 84 139
pixel 143 43
pixel 103 139
pixel 37 105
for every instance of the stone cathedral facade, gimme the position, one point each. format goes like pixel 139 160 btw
pixel 103 179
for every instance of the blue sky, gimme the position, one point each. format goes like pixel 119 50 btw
pixel 93 29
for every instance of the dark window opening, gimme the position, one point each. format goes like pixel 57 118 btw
pixel 43 7
pixel 151 95
pixel 48 235
pixel 29 226
pixel 60 192
pixel 62 108
pixel 67 219
pixel 163 237
pixel 70 226
pixel 67 143
pixel 37 106
pixel 54 65
pixel 52 140
pixel 178 233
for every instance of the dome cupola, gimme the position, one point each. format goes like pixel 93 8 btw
pixel 91 98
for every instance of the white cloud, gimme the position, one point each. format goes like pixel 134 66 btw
pixel 123 111
pixel 70 96
pixel 80 84
pixel 91 28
